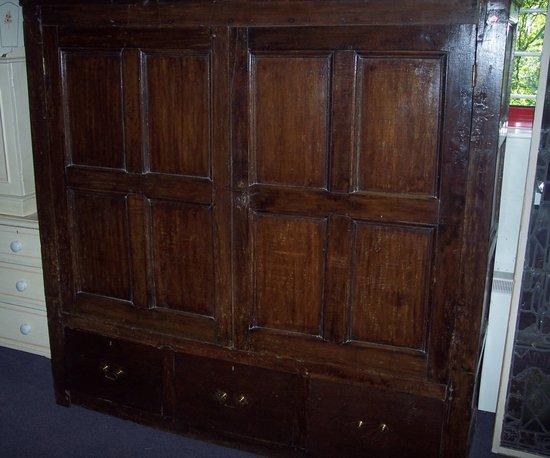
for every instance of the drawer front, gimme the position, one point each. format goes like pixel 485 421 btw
pixel 24 329
pixel 21 285
pixel 358 421
pixel 20 245
pixel 121 372
pixel 239 400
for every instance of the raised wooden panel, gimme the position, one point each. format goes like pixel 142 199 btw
pixel 178 113
pixel 398 110
pixel 183 257
pixel 390 284
pixel 101 244
pixel 290 106
pixel 93 108
pixel 289 265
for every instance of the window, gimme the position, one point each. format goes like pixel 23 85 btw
pixel 528 50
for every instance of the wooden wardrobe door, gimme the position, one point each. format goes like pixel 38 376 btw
pixel 144 177
pixel 350 161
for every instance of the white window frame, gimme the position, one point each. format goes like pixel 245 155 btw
pixel 527 53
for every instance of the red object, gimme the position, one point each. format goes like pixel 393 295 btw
pixel 521 117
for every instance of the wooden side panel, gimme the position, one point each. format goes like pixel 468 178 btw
pixel 48 188
pixel 93 108
pixel 398 107
pixel 289 259
pixel 178 112
pixel 101 244
pixel 182 245
pixel 390 284
pixel 290 104
pixel 476 238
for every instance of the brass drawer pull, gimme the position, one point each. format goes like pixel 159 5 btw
pixel 221 396
pixel 110 372
pixel 382 427
pixel 231 399
pixel 242 400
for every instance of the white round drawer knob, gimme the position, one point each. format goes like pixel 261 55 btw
pixel 16 246
pixel 25 329
pixel 21 285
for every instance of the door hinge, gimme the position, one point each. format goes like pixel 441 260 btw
pixel 474 75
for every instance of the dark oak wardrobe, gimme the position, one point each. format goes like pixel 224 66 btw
pixel 270 223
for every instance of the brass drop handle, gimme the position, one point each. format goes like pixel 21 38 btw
pixel 242 400
pixel 382 427
pixel 234 400
pixel 112 373
pixel 222 397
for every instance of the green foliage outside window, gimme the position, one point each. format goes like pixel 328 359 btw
pixel 530 37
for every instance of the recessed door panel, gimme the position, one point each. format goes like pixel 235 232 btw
pixel 398 114
pixel 101 243
pixel 391 271
pixel 92 92
pixel 290 104
pixel 289 260
pixel 178 112
pixel 183 257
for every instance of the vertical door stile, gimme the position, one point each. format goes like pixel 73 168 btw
pixel 60 158
pixel 136 202
pixel 337 288
pixel 239 78
pixel 453 165
pixel 221 179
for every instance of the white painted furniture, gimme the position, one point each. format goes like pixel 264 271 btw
pixel 23 322
pixel 17 192
pixel 518 142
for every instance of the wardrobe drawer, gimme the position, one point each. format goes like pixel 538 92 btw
pixel 20 245
pixel 358 421
pixel 21 285
pixel 239 400
pixel 121 372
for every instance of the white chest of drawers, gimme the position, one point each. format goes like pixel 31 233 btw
pixel 23 321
